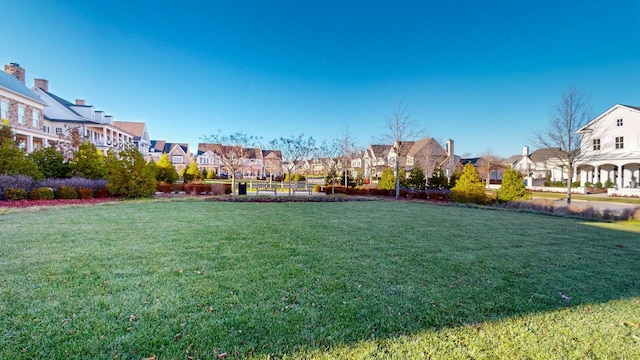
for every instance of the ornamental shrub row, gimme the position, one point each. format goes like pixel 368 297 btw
pixel 72 188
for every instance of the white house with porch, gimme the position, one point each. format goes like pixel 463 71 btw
pixel 611 150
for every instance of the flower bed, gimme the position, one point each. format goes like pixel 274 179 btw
pixel 55 202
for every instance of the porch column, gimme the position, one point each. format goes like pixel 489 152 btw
pixel 596 174
pixel 29 144
pixel 620 178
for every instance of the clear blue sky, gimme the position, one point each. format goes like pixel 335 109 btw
pixel 484 73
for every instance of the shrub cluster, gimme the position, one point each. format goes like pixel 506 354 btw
pixel 15 194
pixel 41 193
pixel 66 192
pixel 71 188
pixel 429 194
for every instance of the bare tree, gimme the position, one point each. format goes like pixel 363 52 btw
pixel 400 129
pixel 488 163
pixel 571 114
pixel 327 154
pixel 347 149
pixel 234 151
pixel 294 150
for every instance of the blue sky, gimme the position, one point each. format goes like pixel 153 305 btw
pixel 483 73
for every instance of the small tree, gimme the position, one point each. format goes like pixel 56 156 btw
pixel 469 188
pixel 512 187
pixel 294 150
pixel 438 178
pixel 165 171
pixel 51 163
pixel 387 180
pixel 400 130
pixel 88 162
pixel 569 116
pixel 13 161
pixel 192 173
pixel 129 174
pixel 487 164
pixel 234 151
pixel 416 179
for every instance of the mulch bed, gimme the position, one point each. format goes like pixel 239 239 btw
pixel 55 202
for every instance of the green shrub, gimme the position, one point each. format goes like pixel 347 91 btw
pixel 66 192
pixel 387 180
pixel 129 174
pixel 587 184
pixel 15 194
pixel 469 187
pixel 41 193
pixel 608 184
pixel 598 185
pixel 85 193
pixel 512 187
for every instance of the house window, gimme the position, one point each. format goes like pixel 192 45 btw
pixel 596 144
pixel 46 129
pixel 619 142
pixel 20 115
pixel 59 131
pixel 35 118
pixel 176 159
pixel 619 122
pixel 4 110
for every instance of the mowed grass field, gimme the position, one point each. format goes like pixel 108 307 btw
pixel 348 280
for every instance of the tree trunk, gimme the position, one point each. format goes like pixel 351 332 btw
pixel 397 179
pixel 569 183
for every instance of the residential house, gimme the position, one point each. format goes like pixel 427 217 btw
pixel 23 110
pixel 93 125
pixel 272 161
pixel 178 153
pixel 541 165
pixel 140 134
pixel 610 148
pixel 211 156
pixel 375 160
pixel 208 159
pixel 427 154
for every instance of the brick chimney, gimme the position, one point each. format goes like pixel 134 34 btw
pixel 81 102
pixel 42 84
pixel 452 157
pixel 15 70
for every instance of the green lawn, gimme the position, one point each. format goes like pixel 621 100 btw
pixel 361 280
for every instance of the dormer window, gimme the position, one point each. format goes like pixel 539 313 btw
pixel 619 122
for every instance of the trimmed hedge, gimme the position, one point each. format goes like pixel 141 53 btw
pixel 15 194
pixel 66 192
pixel 41 193
pixel 85 193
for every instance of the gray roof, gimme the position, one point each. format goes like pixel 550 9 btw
pixel 12 84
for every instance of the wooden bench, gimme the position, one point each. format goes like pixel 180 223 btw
pixel 297 187
pixel 266 187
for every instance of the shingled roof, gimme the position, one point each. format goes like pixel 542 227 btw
pixel 11 83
